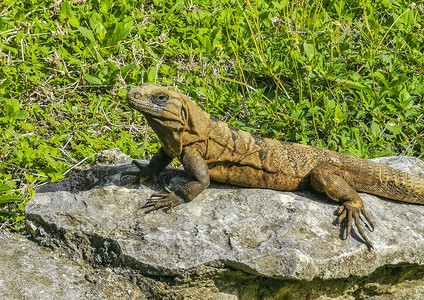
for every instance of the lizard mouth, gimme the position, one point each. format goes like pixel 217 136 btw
pixel 145 107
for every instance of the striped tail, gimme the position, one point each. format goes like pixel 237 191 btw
pixel 394 184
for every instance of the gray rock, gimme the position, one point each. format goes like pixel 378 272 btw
pixel 111 157
pixel 31 272
pixel 229 239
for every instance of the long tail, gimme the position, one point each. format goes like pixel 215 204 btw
pixel 393 184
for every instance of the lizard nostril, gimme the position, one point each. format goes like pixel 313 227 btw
pixel 135 94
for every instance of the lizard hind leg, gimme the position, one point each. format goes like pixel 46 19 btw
pixel 326 178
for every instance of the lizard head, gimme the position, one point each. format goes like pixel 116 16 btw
pixel 166 111
pixel 157 102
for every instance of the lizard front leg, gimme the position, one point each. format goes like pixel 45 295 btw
pixel 328 179
pixel 157 164
pixel 197 169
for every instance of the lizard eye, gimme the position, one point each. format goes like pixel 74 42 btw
pixel 160 98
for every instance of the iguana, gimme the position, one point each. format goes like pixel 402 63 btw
pixel 210 149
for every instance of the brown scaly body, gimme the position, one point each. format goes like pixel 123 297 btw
pixel 210 149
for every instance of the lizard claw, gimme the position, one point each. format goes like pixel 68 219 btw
pixel 351 210
pixel 140 176
pixel 165 199
pixel 137 179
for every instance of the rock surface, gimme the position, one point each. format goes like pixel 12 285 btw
pixel 31 272
pixel 230 242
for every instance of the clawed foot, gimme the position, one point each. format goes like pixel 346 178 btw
pixel 165 199
pixel 351 210
pixel 140 176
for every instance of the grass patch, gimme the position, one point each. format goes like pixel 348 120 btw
pixel 342 75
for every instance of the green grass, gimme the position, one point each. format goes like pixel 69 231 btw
pixel 342 75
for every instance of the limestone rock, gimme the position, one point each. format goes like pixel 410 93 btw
pixel 111 157
pixel 31 272
pixel 230 239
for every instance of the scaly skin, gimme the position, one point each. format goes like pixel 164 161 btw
pixel 210 149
